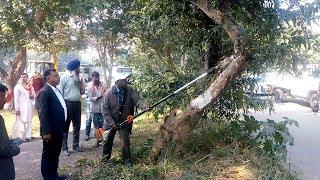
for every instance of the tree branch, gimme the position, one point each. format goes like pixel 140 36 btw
pixel 3 73
pixel 232 28
pixel 180 124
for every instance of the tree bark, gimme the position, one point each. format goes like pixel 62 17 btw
pixel 109 80
pixel 111 53
pixel 19 63
pixel 179 124
pixel 3 73
pixel 17 67
pixel 104 70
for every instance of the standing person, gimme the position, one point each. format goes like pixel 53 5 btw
pixel 37 82
pixel 8 148
pixel 52 112
pixel 72 87
pixel 95 94
pixel 117 105
pixel 23 96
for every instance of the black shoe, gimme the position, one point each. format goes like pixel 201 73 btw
pixel 79 149
pixel 66 152
pixel 87 138
pixel 61 178
pixel 28 140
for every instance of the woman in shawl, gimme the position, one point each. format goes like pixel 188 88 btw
pixel 23 96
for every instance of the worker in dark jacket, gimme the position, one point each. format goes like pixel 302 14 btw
pixel 117 105
pixel 8 148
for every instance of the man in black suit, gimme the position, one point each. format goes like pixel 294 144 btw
pixel 52 112
pixel 8 148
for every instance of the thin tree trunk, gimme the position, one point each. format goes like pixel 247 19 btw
pixel 109 81
pixel 110 68
pixel 104 71
pixel 3 73
pixel 179 124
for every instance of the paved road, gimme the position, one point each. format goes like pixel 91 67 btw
pixel 305 154
pixel 27 163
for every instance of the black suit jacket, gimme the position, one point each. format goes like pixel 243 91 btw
pixel 51 112
pixel 7 150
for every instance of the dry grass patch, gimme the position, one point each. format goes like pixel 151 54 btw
pixel 10 117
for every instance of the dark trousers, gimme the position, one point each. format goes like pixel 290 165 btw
pixel 88 123
pixel 50 157
pixel 74 115
pixel 125 144
pixel 97 120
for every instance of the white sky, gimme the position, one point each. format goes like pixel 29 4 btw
pixel 90 54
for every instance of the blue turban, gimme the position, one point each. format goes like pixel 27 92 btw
pixel 73 64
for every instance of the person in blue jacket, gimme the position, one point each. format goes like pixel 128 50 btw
pixel 8 148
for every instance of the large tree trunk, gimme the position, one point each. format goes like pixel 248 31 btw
pixel 19 63
pixel 179 124
pixel 17 67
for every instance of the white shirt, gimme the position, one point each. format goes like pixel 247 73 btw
pixel 62 102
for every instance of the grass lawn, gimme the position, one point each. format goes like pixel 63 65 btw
pixel 10 117
pixel 201 156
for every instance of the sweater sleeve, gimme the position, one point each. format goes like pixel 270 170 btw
pixel 42 105
pixel 105 110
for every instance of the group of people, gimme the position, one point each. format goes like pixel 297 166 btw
pixel 58 103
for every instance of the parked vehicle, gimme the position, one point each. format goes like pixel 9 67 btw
pixel 39 66
pixel 289 88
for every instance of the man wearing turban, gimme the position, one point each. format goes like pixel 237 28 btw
pixel 72 86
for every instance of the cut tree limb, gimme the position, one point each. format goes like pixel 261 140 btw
pixel 179 124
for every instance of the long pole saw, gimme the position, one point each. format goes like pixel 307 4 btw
pixel 130 118
pixel 210 71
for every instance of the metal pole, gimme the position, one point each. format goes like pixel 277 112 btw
pixel 176 92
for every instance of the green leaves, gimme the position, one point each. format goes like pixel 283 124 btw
pixel 25 21
pixel 273 136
